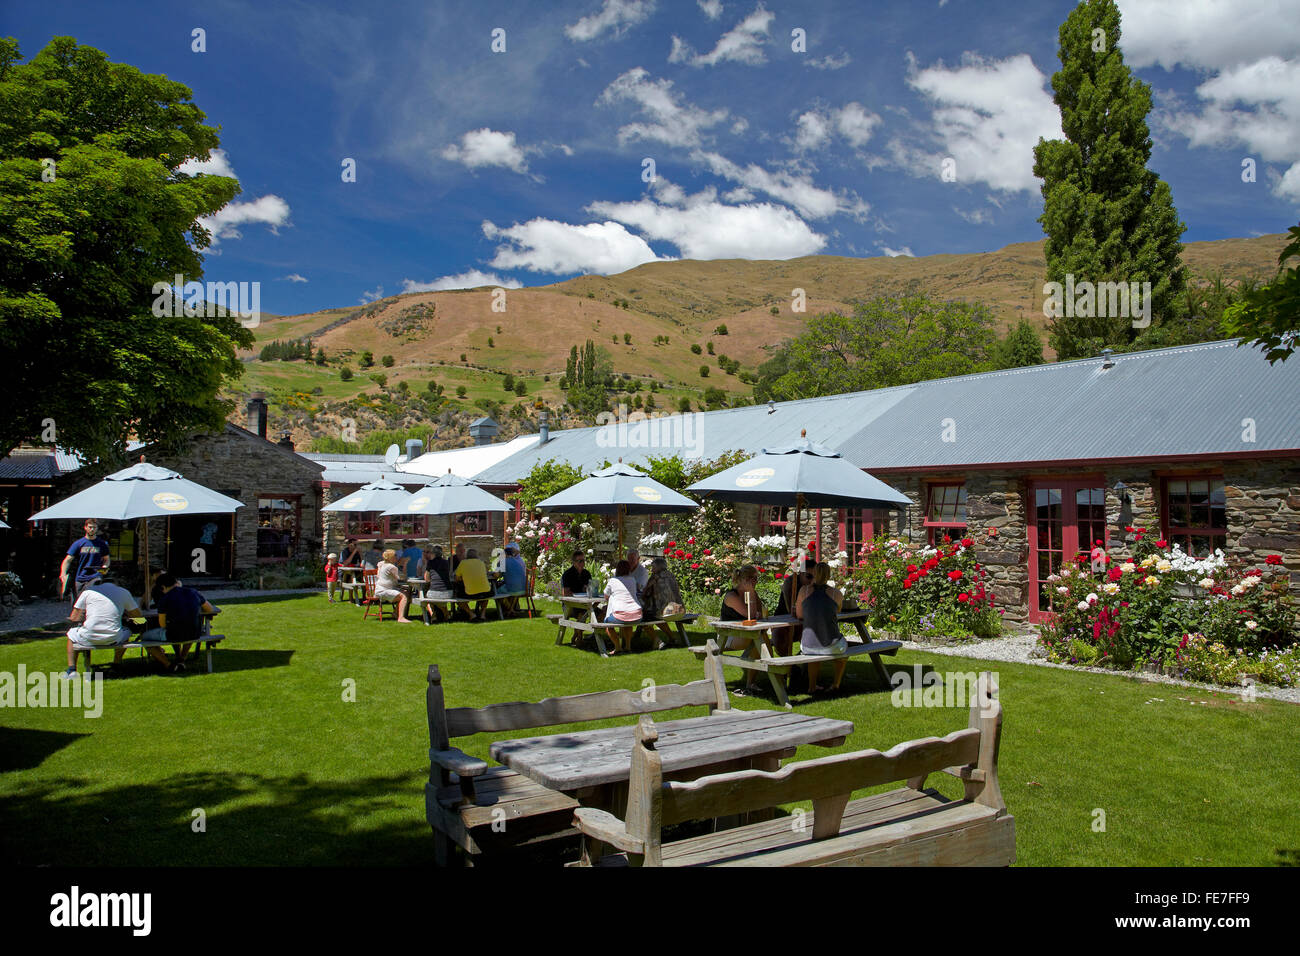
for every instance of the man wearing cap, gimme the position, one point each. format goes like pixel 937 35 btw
pixel 516 577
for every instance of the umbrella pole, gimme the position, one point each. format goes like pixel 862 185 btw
pixel 798 509
pixel 619 557
pixel 145 601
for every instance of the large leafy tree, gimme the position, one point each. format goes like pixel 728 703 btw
pixel 885 341
pixel 1021 347
pixel 83 240
pixel 1108 218
pixel 1269 317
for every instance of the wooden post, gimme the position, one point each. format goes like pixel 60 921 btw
pixel 145 598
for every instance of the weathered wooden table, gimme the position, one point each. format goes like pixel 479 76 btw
pixel 593 765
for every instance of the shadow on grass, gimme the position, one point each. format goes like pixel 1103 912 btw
pixel 44 633
pixel 247 819
pixel 23 749
pixel 224 660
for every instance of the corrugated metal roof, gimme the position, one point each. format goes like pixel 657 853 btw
pixel 466 462
pixel 1191 400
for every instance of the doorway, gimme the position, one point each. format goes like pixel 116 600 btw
pixel 1065 517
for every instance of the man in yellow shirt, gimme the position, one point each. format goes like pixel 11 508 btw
pixel 472 581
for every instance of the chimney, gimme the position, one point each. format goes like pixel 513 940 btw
pixel 286 440
pixel 414 449
pixel 543 427
pixel 483 430
pixel 257 414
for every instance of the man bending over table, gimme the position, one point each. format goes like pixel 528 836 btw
pixel 179 611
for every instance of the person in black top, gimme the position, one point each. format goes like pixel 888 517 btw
pixel 577 578
pixel 790 588
pixel 435 563
pixel 734 608
pixel 351 557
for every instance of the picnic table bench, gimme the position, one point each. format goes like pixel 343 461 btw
pixel 596 629
pixel 475 806
pixel 777 669
pixel 909 826
pixel 205 640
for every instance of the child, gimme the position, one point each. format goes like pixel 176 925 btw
pixel 331 574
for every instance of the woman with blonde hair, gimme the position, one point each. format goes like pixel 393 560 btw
pixel 818 607
pixel 388 585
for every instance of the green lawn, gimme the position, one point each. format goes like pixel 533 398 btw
pixel 286 772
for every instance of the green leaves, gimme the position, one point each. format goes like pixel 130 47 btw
pixel 1269 317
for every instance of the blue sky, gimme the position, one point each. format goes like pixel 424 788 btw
pixel 528 166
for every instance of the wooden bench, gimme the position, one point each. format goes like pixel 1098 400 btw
pixel 910 826
pixel 475 806
pixel 206 642
pixel 778 669
pixel 424 602
pixel 598 630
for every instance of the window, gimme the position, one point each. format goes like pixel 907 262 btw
pixel 277 527
pixel 406 526
pixel 773 519
pixel 945 511
pixel 479 522
pixel 362 523
pixel 1195 514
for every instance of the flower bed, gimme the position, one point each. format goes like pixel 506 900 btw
pixel 1206 619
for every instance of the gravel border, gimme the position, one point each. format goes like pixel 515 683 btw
pixel 1016 649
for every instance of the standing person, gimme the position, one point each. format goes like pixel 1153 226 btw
pixel 660 590
pixel 179 618
pixel 351 554
pixel 410 559
pixel 331 575
pixel 388 585
pixel 370 560
pixel 818 607
pixel 577 579
pixel 623 607
pixel 98 615
pixel 639 572
pixel 88 555
pixel 472 580
pixel 516 576
pixel 735 608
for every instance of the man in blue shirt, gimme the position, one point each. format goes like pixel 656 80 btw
pixel 409 559
pixel 178 617
pixel 516 577
pixel 89 556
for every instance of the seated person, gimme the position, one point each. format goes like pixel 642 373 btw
pixel 639 570
pixel 577 579
pixel 98 617
pixel 370 560
pixel 516 577
pixel 783 637
pixel 660 590
pixel 623 606
pixel 179 621
pixel 818 607
pixel 351 557
pixel 388 585
pixel 472 582
pixel 744 582
pixel 410 558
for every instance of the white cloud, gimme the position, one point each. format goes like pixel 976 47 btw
pixel 217 164
pixel 294 277
pixel 704 228
pixel 712 8
pixel 1207 34
pixel 671 121
pixel 813 130
pixel 372 295
pixel 469 279
pixel 854 122
pixel 829 62
pixel 743 43
pixel 796 190
pixel 976 217
pixel 988 116
pixel 270 210
pixel 488 147
pixel 545 245
pixel 905 252
pixel 615 15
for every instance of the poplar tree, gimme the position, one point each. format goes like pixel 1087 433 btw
pixel 1108 218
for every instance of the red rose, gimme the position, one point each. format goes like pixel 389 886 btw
pixel 1162 543
pixel 923 573
pixel 1273 559
pixel 707 551
pixel 1128 528
pixel 1114 574
pixel 668 550
pixel 680 553
pixel 777 574
pixel 690 540
pixel 1254 573
pixel 907 584
pixel 912 568
pixel 963 598
pixel 954 575
pixel 672 544
pixel 694 566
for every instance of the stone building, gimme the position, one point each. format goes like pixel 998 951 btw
pixel 1200 444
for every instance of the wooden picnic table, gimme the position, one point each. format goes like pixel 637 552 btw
pixel 348 583
pixel 594 765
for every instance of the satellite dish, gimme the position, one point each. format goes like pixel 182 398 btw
pixel 392 454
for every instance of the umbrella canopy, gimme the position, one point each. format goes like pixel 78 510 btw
pixel 141 491
pixel 803 473
pixel 449 495
pixel 618 488
pixel 3 526
pixel 381 495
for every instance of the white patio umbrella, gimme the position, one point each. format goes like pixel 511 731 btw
pixel 382 495
pixel 617 490
pixel 449 495
pixel 141 491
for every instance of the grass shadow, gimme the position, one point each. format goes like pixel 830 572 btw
pixel 23 749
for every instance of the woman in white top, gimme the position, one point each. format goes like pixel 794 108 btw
pixel 622 606
pixel 388 585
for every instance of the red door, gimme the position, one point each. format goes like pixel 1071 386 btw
pixel 1065 517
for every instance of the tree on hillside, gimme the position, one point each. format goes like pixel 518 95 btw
pixel 1022 347
pixel 1269 317
pixel 93 213
pixel 885 341
pixel 588 371
pixel 1107 217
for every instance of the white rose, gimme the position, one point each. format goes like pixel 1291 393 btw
pixel 1062 590
pixel 1111 588
pixel 1251 625
pixel 1083 605
pixel 1092 598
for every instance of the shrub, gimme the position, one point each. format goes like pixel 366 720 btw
pixel 627 338
pixel 462 357
pixel 491 343
pixel 345 374
pixel 367 359
pixel 461 391
pixel 521 387
pixel 387 361
pixel 775 310
pixel 704 371
pixel 695 348
pixel 709 347
pixel 508 383
pixel 720 330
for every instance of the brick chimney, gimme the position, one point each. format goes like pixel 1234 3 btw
pixel 286 440
pixel 257 414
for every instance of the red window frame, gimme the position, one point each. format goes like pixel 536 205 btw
pixel 1185 534
pixel 355 525
pixel 767 524
pixel 483 518
pixel 295 538
pixel 936 529
pixel 859 526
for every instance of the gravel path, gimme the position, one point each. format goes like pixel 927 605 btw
pixel 1017 649
pixel 39 614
